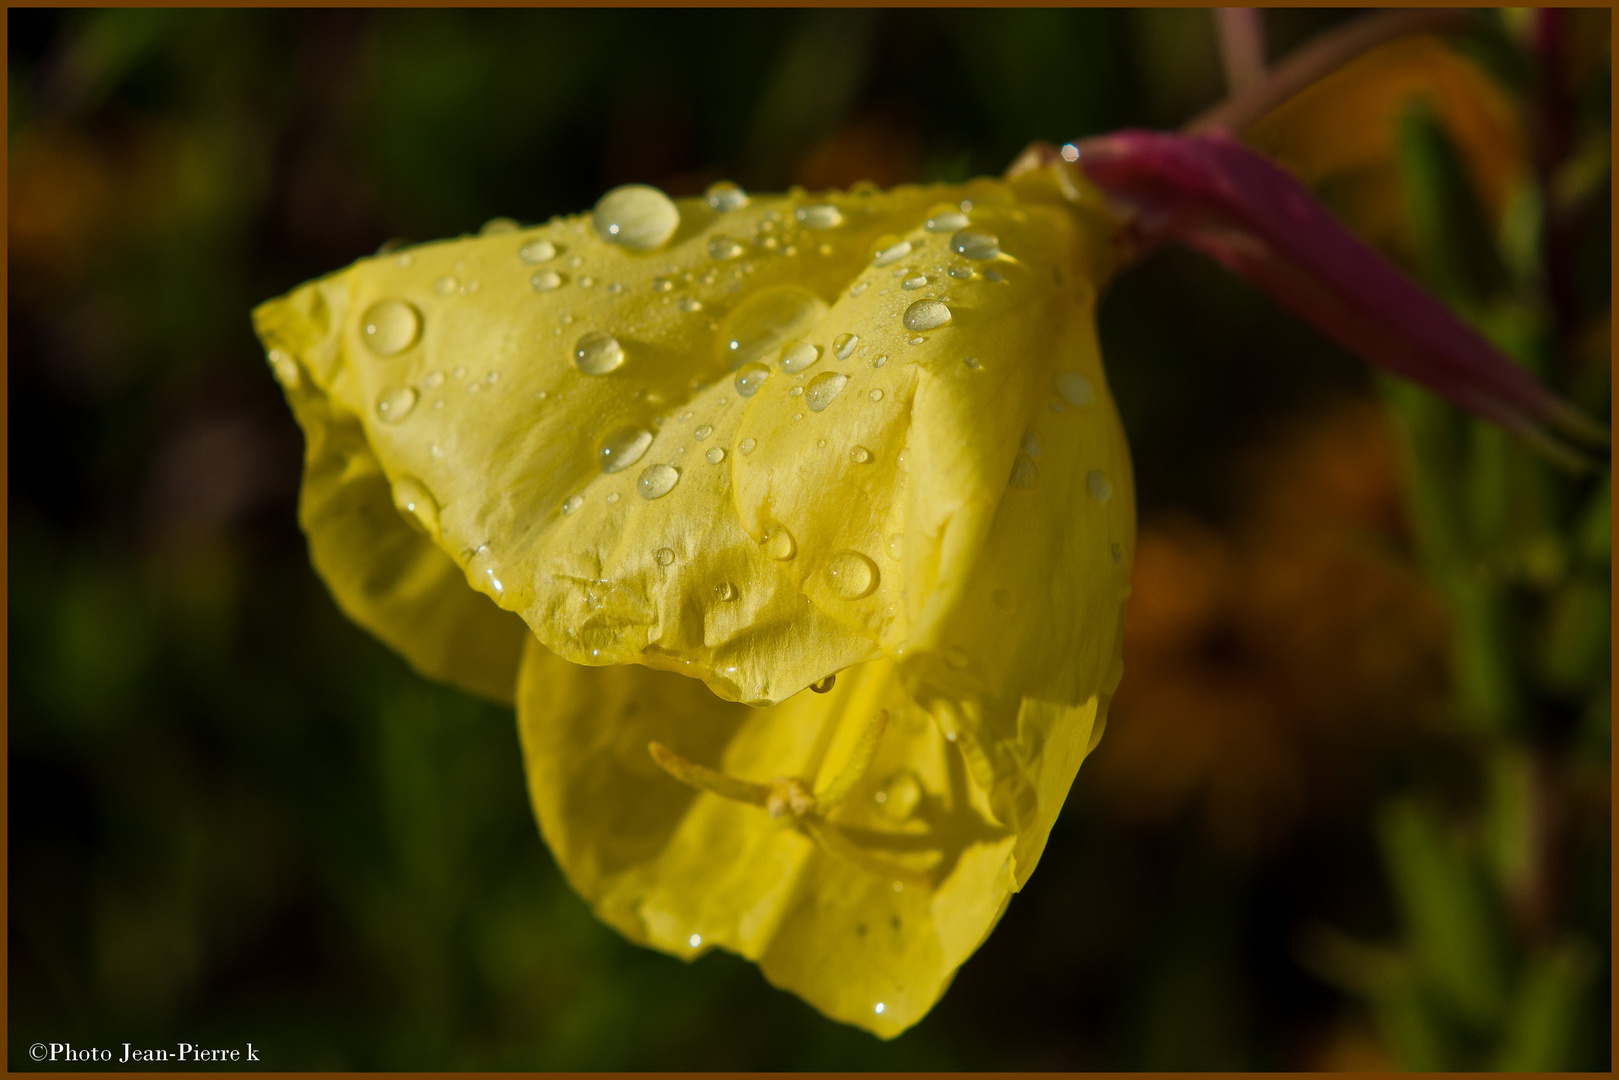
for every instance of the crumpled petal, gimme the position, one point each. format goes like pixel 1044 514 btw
pixel 870 932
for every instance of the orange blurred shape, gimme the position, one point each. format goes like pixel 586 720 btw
pixel 63 193
pixel 876 147
pixel 1264 660
pixel 1338 135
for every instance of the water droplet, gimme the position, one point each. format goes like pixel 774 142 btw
pixel 573 503
pixel 896 546
pixel 824 686
pixel 875 395
pixel 636 216
pixel 859 287
pixel 893 253
pixel 498 225
pixel 394 405
pixel 1025 476
pixel 537 251
pixel 975 245
pixel 723 247
pixel 851 575
pixel 880 1006
pixel 612 497
pixel 665 556
pixel 860 455
pixel 446 285
pixel 1075 388
pixel 823 216
pixel 926 315
pixel 702 432
pixel 845 345
pixel 798 355
pixel 416 503
pixel 389 327
pixel 745 447
pixel 1097 483
pixel 1031 443
pixel 971 362
pixel 949 221
pixel 433 380
pixel 689 304
pixel 779 543
pixel 285 368
pixel 1118 554
pixel 695 940
pixel 662 284
pixel 546 280
pixel 656 481
pixel 750 378
pixel 824 388
pixel 725 197
pixel 597 353
pixel 615 288
pixel 458 371
pixel 903 460
pixel 900 795
pixel 798 416
pixel 795 391
pixel 917 340
pixel 880 361
pixel 961 272
pixel 760 325
pixel 725 591
pixel 994 275
pixel 715 455
pixel 623 447
pixel 916 281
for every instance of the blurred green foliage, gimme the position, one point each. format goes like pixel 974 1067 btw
pixel 235 817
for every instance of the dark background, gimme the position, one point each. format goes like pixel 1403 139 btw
pixel 235 817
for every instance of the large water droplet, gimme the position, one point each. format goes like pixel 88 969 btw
pixel 1097 483
pixel 893 253
pixel 636 216
pixel 1075 388
pixel 860 455
pixel 851 575
pixel 975 245
pixel 779 543
pixel 949 221
pixel 926 315
pixel 723 247
pixel 597 353
pixel 715 455
pixel 623 447
pixel 394 405
pixel 665 556
pixel 725 591
pixel 656 481
pixel 823 216
pixel 537 251
pixel 572 503
pixel 1025 476
pixel 416 503
pixel 750 378
pixel 798 355
pixel 845 345
pixel 760 325
pixel 824 388
pixel 389 327
pixel 725 197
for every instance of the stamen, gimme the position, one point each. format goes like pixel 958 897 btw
pixel 705 779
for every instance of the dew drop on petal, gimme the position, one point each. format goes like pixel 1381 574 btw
pixel 656 481
pixel 389 327
pixel 1031 443
pixel 750 378
pixel 896 546
pixel 994 275
pixel 745 447
pixel 725 197
pixel 545 281
pixel 623 447
pixel 702 432
pixel 446 285
pixel 394 405
pixel 949 221
pixel 1097 483
pixel 597 353
pixel 915 281
pixel 858 287
pixel 845 345
pixel 961 272
pixel 662 284
pixel 822 216
pixel 725 591
pixel 496 226
pixel 795 391
pixel 636 216
pixel 760 325
pixel 573 503
pixel 926 315
pixel 798 355
pixel 860 455
pixel 1075 388
pixel 723 247
pixel 689 304
pixel 612 497
pixel 824 686
pixel 715 455
pixel 891 254
pixel 880 361
pixel 1025 475
pixel 665 556
pixel 971 363
pixel 824 388
pixel 851 575
pixel 975 245
pixel 779 543
pixel 537 251
pixel 416 504
pixel 876 394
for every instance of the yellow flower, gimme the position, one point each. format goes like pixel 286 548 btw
pixel 701 457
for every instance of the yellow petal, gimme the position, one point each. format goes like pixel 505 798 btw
pixel 916 875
